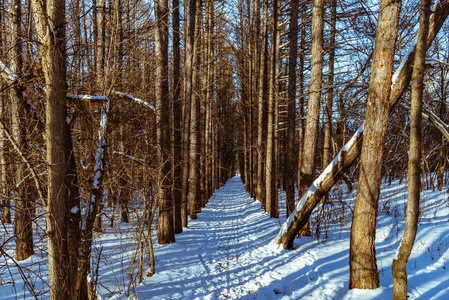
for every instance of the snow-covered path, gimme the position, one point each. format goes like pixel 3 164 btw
pixel 225 254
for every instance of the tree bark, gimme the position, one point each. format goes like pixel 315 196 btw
pixel 176 115
pixel 164 194
pixel 63 194
pixel 307 167
pixel 23 191
pixel 291 118
pixel 261 100
pixel 188 92
pixel 270 160
pixel 194 200
pixel 327 148
pixel 414 163
pixel 362 257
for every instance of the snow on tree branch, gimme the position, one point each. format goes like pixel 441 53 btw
pixel 138 100
pixel 88 97
pixel 316 185
pixel 130 157
pixel 7 73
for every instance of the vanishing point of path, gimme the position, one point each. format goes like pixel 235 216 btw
pixel 225 254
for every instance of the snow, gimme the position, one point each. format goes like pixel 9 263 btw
pixel 8 73
pixel 226 253
pixel 88 97
pixel 409 51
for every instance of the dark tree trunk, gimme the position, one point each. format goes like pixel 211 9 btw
pixel 176 115
pixel 291 119
pixel 164 195
pixel 188 92
pixel 23 191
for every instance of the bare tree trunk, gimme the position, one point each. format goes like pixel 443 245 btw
pixel 63 195
pixel 313 110
pixel 261 100
pixel 291 119
pixel 188 93
pixel 327 148
pixel 414 163
pixel 23 192
pixel 362 258
pixel 176 115
pixel 100 44
pixel 270 163
pixel 194 200
pixel 4 190
pixel 165 228
pixel 307 166
pixel 301 54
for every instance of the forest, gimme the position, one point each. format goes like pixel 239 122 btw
pixel 132 122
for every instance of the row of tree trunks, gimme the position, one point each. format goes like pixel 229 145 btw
pixel 345 158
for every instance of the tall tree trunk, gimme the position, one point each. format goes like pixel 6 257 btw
pixel 23 192
pixel 327 148
pixel 270 163
pixel 188 92
pixel 63 195
pixel 414 163
pixel 194 176
pixel 362 259
pixel 164 194
pixel 291 118
pixel 261 100
pixel 176 116
pixel 4 190
pixel 313 107
pixel 313 110
pixel 100 44
pixel 301 54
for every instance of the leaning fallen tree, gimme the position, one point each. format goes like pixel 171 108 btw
pixel 349 153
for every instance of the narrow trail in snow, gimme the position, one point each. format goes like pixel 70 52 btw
pixel 224 254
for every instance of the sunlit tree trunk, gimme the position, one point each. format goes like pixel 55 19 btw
pixel 194 201
pixel 307 166
pixel 362 260
pixel 62 205
pixel 414 163
pixel 270 163
pixel 327 148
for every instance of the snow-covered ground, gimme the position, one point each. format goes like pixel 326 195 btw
pixel 227 254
